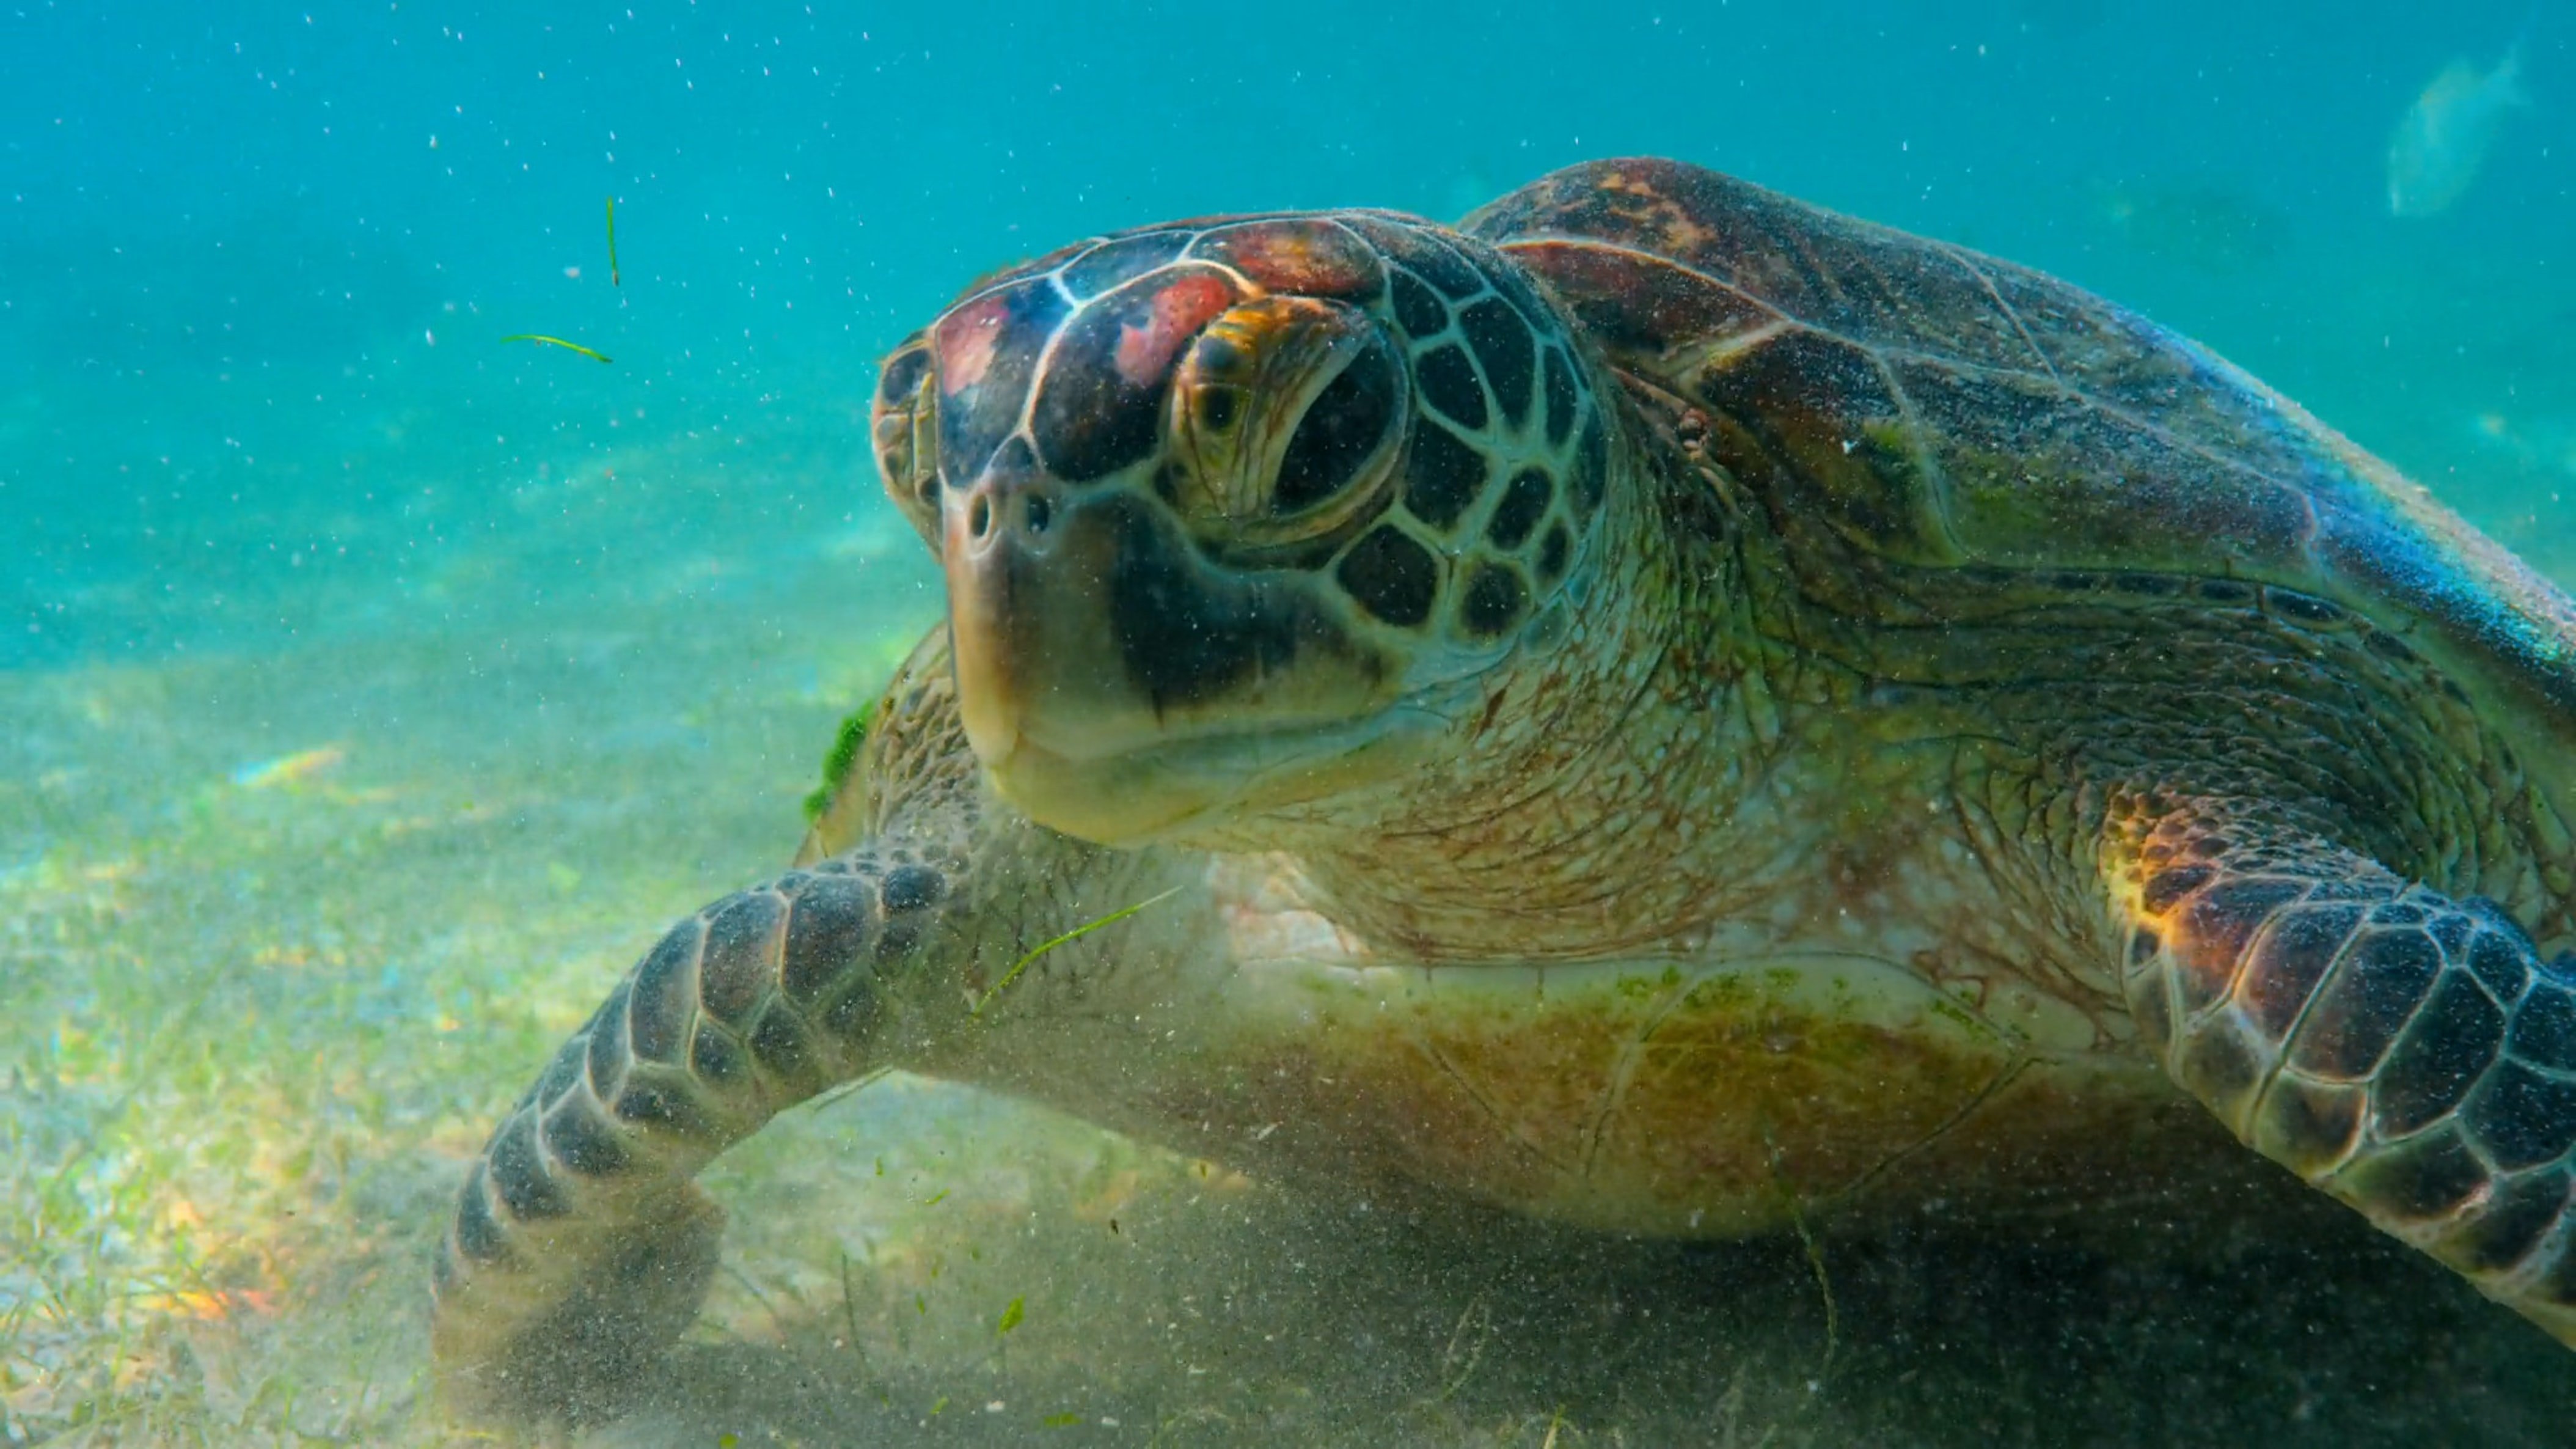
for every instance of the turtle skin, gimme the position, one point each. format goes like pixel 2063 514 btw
pixel 1780 710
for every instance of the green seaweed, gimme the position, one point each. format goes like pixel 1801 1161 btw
pixel 846 743
pixel 592 353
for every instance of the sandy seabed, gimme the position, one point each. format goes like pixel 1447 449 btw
pixel 283 927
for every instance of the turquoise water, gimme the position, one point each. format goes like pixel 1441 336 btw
pixel 372 689
pixel 231 241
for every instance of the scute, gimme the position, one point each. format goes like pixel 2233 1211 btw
pixel 2030 425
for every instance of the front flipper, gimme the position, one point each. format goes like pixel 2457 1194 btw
pixel 2408 1053
pixel 580 1248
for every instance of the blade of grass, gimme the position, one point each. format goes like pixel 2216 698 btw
pixel 1076 934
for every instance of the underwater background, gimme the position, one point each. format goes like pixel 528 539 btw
pixel 373 690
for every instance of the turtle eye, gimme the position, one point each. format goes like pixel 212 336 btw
pixel 904 426
pixel 1284 417
pixel 1346 425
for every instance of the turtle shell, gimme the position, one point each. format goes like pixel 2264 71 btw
pixel 1903 408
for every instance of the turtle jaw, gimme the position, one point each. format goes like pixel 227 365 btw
pixel 1118 686
pixel 1195 790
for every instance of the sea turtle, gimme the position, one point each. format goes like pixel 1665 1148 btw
pixel 1660 707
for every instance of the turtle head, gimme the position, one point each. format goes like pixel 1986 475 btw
pixel 1238 515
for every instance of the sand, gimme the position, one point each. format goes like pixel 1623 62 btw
pixel 288 914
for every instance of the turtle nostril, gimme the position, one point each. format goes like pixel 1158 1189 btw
pixel 1041 513
pixel 979 516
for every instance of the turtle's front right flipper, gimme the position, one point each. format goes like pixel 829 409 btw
pixel 581 1248
pixel 2409 1053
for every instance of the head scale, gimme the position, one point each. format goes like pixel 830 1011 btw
pixel 1229 509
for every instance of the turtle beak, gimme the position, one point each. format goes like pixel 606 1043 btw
pixel 1118 686
pixel 1027 590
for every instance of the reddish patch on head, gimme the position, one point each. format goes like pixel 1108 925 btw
pixel 965 341
pixel 1175 315
pixel 1305 255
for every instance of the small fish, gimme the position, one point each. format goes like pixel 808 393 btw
pixel 556 342
pixel 2206 225
pixel 2544 443
pixel 2443 139
pixel 612 241
pixel 285 770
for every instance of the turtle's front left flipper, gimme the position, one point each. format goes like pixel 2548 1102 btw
pixel 2409 1053
pixel 580 1247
